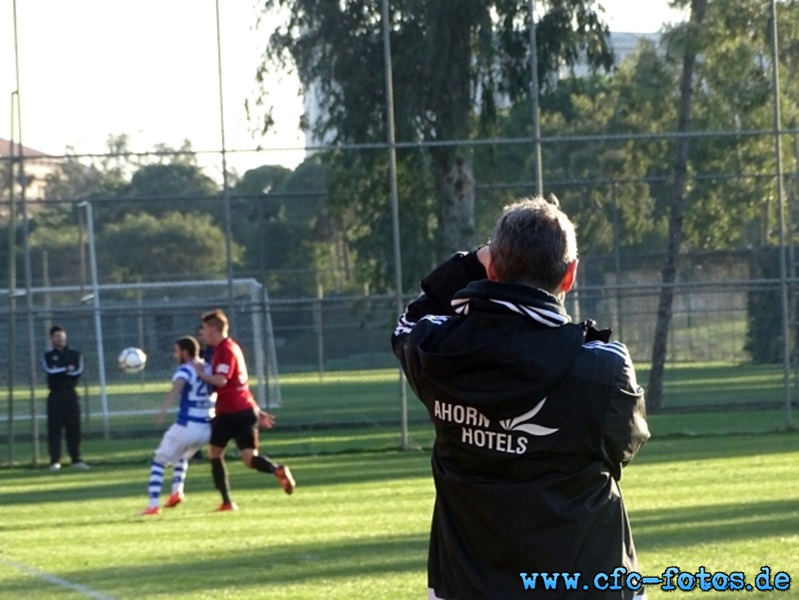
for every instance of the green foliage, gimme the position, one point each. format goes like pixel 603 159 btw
pixel 77 180
pixel 159 188
pixel 172 246
pixel 359 196
pixel 461 70
pixel 733 93
pixel 56 242
pixel 257 183
pixel 153 220
pixel 257 216
pixel 171 181
pixel 630 180
pixel 282 220
pixel 601 182
pixel 448 58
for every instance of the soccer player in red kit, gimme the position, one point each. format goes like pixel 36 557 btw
pixel 237 414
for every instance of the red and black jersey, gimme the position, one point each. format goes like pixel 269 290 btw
pixel 235 395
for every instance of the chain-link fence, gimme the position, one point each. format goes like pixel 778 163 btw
pixel 319 240
pixel 291 343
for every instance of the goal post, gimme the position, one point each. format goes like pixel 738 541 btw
pixel 150 316
pixel 268 391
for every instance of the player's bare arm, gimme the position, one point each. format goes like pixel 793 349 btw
pixel 265 419
pixel 174 392
pixel 215 379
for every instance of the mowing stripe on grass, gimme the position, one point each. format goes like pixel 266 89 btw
pixel 82 589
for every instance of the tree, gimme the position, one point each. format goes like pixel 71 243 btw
pixel 273 241
pixel 693 37
pixel 172 246
pixel 55 245
pixel 138 227
pixel 453 60
pixel 173 181
pixel 76 180
pixel 296 239
pixel 601 180
pixel 733 93
pixel 729 90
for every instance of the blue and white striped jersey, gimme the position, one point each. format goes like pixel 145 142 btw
pixel 197 399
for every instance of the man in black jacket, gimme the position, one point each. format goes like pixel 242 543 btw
pixel 535 417
pixel 64 367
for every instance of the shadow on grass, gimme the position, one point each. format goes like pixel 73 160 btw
pixel 125 481
pixel 658 529
pixel 118 480
pixel 331 564
pixel 710 447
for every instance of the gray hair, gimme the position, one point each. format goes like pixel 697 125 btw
pixel 533 243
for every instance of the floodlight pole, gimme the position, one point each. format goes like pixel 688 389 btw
pixel 28 273
pixel 98 323
pixel 786 320
pixel 12 286
pixel 225 186
pixel 392 166
pixel 22 180
pixel 534 102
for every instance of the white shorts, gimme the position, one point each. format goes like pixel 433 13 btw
pixel 182 441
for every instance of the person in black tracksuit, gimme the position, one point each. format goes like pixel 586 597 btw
pixel 64 366
pixel 535 417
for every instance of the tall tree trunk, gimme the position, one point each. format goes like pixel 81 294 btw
pixel 451 59
pixel 677 209
pixel 456 228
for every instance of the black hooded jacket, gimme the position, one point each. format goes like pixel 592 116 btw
pixel 534 424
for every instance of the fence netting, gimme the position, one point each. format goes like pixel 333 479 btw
pixel 306 279
pixel 310 359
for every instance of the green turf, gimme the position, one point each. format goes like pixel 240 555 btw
pixel 703 492
pixel 371 399
pixel 356 528
pixel 357 525
pixel 729 503
pixel 387 437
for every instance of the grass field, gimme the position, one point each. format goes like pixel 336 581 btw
pixel 357 525
pixel 713 489
pixel 753 395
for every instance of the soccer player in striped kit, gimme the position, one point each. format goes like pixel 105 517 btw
pixel 190 431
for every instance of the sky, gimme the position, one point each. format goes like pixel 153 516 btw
pixel 149 69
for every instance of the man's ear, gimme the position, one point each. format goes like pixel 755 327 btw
pixel 491 272
pixel 570 278
pixel 484 256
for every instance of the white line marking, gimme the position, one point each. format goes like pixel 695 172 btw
pixel 55 580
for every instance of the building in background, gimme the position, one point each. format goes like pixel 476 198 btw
pixel 37 166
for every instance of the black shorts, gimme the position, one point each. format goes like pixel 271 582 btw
pixel 240 426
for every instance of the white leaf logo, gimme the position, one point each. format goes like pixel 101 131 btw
pixel 534 429
pixel 520 423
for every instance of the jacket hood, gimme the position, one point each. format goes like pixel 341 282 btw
pixel 512 333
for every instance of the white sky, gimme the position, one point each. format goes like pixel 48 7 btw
pixel 93 68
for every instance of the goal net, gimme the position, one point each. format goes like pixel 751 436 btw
pixel 150 316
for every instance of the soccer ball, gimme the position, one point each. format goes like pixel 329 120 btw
pixel 132 360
